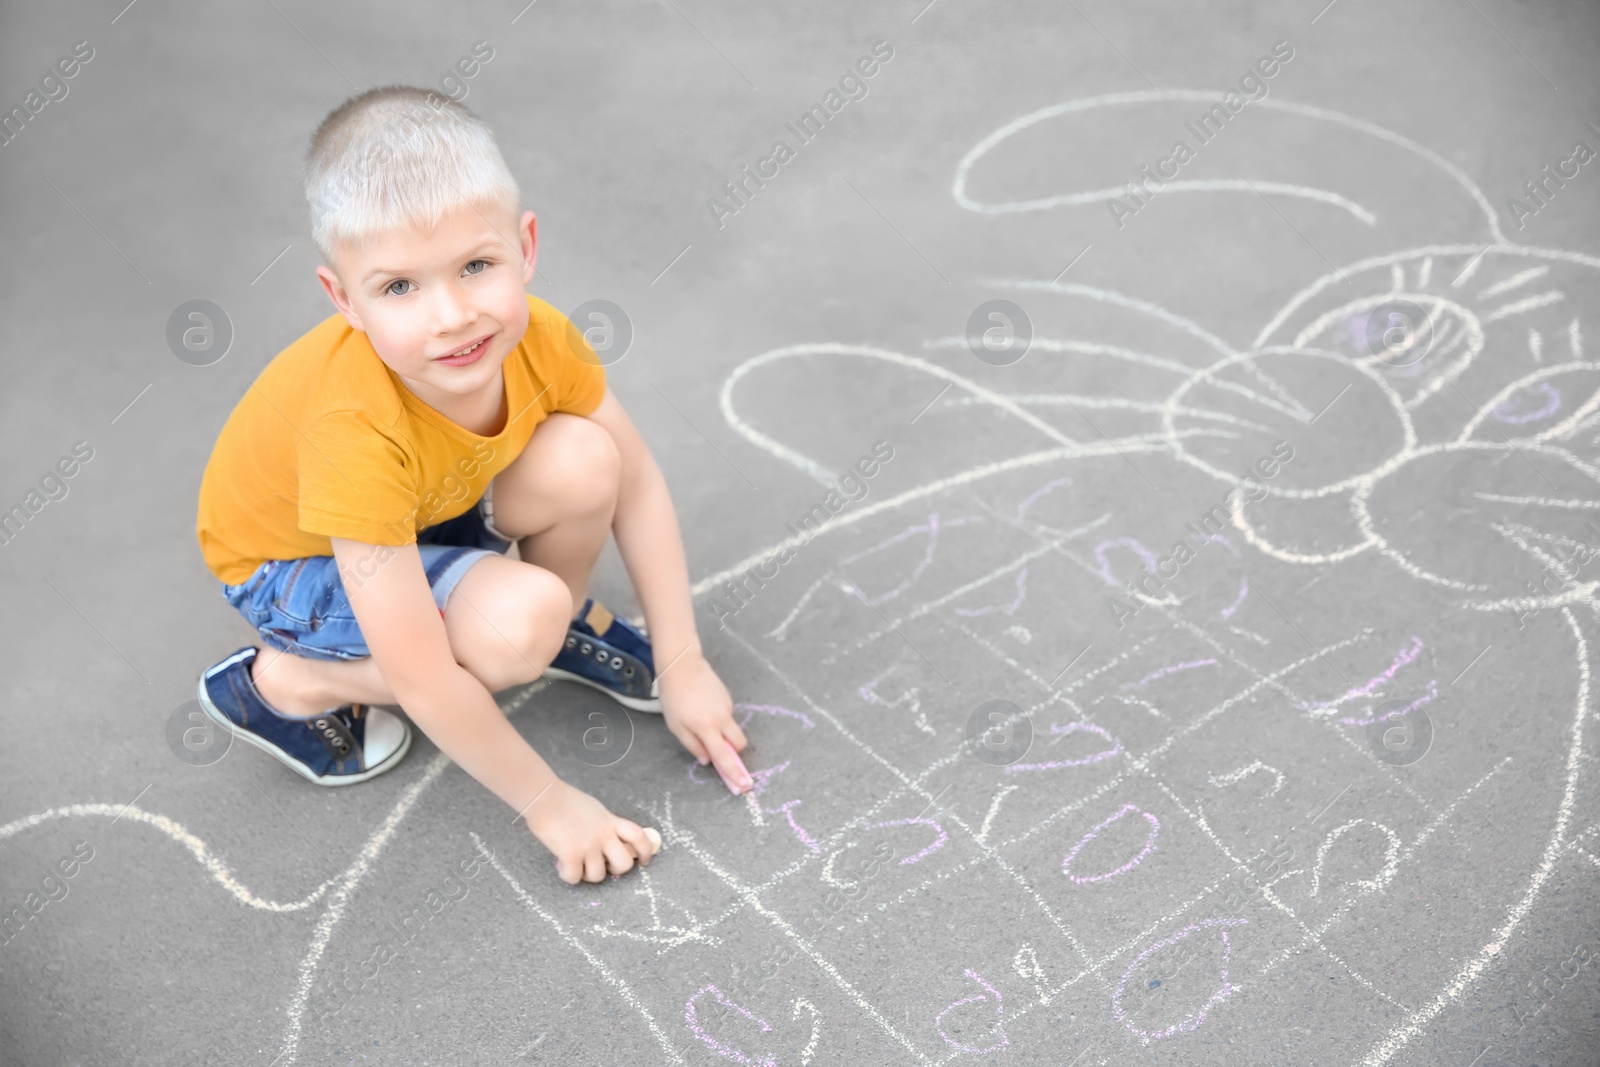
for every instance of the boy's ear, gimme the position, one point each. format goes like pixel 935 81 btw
pixel 528 228
pixel 341 299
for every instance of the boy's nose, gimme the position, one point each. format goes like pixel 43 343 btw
pixel 452 309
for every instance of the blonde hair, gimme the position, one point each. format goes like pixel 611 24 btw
pixel 398 157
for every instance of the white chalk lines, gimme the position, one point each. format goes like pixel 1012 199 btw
pixel 1437 281
pixel 609 976
pixel 1094 967
pixel 1461 339
pixel 1394 853
pixel 344 885
pixel 1134 99
pixel 208 860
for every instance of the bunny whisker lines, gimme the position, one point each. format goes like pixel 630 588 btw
pixel 1205 129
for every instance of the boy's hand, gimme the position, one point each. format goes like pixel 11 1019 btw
pixel 699 712
pixel 586 839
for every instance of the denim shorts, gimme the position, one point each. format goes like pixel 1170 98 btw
pixel 299 605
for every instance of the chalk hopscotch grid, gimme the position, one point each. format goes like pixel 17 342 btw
pixel 1138 763
pixel 752 893
pixel 1096 967
pixel 1439 818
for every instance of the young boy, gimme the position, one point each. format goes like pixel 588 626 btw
pixel 361 495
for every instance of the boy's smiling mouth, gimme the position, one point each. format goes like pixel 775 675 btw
pixel 467 353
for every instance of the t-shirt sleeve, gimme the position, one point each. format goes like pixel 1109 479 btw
pixel 354 481
pixel 575 369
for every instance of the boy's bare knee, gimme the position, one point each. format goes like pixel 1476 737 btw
pixel 591 467
pixel 571 469
pixel 522 626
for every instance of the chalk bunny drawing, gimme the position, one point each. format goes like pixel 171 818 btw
pixel 1461 350
pixel 1487 405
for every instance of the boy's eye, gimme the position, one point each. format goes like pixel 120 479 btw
pixel 389 289
pixel 483 264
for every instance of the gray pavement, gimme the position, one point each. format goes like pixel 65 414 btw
pixel 1321 792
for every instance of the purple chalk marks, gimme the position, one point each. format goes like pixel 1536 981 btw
pixel 1009 609
pixel 1426 698
pixel 940 836
pixel 786 809
pixel 1149 847
pixel 1104 547
pixel 691 1019
pixel 774 710
pixel 932 529
pixel 1083 761
pixel 1032 498
pixel 1193 1021
pixel 1403 657
pixel 760 779
pixel 837 579
pixel 1164 671
pixel 1151 567
pixel 990 995
pixel 1244 591
pixel 1505 411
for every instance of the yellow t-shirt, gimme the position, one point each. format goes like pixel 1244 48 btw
pixel 329 442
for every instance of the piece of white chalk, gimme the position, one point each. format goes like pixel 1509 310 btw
pixel 655 837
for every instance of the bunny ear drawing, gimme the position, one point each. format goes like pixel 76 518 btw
pixel 1118 153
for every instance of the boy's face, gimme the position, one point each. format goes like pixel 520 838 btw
pixel 420 295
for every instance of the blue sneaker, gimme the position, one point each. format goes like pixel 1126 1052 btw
pixel 339 747
pixel 610 655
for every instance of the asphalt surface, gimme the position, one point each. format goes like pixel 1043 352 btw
pixel 1322 792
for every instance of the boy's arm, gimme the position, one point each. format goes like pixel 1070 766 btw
pixel 406 636
pixel 695 703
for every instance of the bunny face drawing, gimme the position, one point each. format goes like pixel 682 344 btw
pixel 1454 357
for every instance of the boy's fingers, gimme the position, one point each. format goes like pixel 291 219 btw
pixel 734 735
pixel 594 866
pixel 568 873
pixel 634 837
pixel 729 765
pixel 692 744
pixel 618 859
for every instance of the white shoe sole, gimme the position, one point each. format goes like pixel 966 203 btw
pixel 650 704
pixel 216 715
